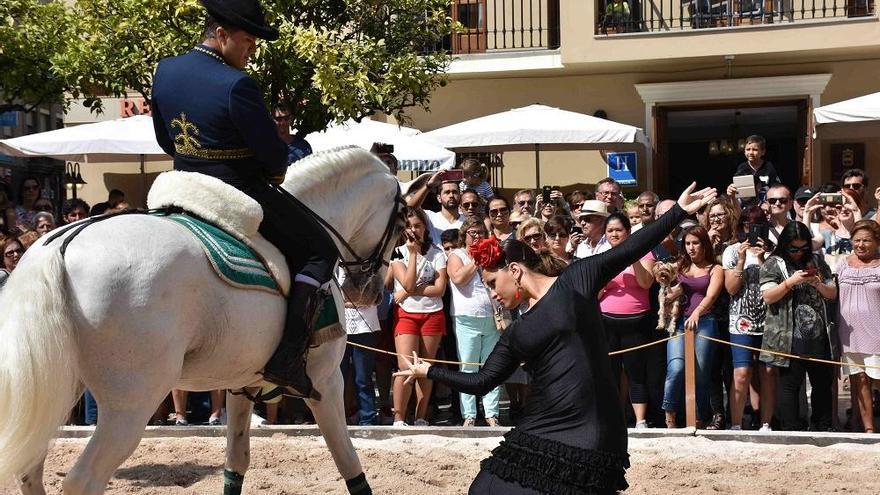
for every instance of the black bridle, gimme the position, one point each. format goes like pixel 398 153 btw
pixel 375 261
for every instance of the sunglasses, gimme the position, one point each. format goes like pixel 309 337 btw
pixel 796 250
pixel 523 202
pixel 468 206
pixel 499 211
pixel 774 201
pixel 716 216
pixel 557 235
pixel 855 186
pixel 578 206
pixel 476 233
pixel 13 253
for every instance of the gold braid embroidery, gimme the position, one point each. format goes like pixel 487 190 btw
pixel 186 143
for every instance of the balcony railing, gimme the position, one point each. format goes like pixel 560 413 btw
pixel 493 25
pixel 627 16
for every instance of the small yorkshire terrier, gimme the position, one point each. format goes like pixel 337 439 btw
pixel 666 275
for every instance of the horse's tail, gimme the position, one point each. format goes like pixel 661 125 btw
pixel 39 379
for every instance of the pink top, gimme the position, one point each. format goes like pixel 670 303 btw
pixel 623 295
pixel 858 320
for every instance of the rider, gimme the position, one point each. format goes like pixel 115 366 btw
pixel 211 117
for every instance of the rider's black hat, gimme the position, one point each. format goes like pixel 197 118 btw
pixel 243 14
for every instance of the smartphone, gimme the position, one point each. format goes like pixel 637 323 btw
pixel 452 175
pixel 811 271
pixel 577 230
pixel 831 198
pixel 545 195
pixel 757 233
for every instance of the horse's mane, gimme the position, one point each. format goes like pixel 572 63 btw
pixel 320 179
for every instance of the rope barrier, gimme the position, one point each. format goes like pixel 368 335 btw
pixel 649 344
pixel 442 361
pixel 790 356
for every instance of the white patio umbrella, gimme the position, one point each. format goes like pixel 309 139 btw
pixel 413 152
pixel 119 140
pixel 861 109
pixel 537 127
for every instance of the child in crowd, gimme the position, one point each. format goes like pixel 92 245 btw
pixel 475 175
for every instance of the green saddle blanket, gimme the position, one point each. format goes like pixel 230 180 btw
pixel 233 260
pixel 237 264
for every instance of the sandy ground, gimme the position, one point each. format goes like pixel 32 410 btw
pixel 428 465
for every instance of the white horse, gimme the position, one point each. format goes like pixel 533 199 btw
pixel 133 309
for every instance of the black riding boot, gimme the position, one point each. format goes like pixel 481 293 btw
pixel 287 366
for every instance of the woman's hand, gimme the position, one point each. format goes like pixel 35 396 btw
pixel 714 236
pixel 399 296
pixel 574 240
pixel 758 250
pixel 801 277
pixel 693 320
pixel 417 369
pixel 691 201
pixel 412 243
pixel 673 293
pixel 731 191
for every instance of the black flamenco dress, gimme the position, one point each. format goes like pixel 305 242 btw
pixel 572 436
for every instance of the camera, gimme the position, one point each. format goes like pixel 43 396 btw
pixel 577 230
pixel 831 198
pixel 757 232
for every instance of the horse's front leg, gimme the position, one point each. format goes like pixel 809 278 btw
pixel 31 482
pixel 238 442
pixel 329 412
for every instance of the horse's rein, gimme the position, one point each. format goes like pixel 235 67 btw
pixel 374 261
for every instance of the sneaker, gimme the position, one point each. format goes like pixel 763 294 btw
pixel 421 422
pixel 765 427
pixel 257 420
pixel 492 421
pixel 215 421
pixel 735 428
pixel 468 422
pixel 181 422
pixel 642 425
pixel 400 423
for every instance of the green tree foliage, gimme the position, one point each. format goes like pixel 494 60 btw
pixel 335 59
pixel 31 34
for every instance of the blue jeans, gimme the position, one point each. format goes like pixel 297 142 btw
pixel 363 362
pixel 91 409
pixel 475 338
pixel 704 350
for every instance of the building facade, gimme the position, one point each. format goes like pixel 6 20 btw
pixel 699 77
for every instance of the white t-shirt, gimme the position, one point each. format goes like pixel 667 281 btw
pixel 361 320
pixel 747 308
pixel 427 270
pixel 437 223
pixel 471 298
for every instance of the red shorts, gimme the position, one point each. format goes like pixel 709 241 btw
pixel 425 324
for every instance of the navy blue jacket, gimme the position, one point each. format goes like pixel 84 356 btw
pixel 212 119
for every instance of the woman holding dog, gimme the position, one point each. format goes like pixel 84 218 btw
pixel 742 267
pixel 700 282
pixel 626 315
pixel 571 438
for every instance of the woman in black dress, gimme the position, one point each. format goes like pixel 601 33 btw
pixel 572 436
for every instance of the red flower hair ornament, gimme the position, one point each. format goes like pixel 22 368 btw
pixel 487 253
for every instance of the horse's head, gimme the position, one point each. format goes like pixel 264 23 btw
pixel 359 199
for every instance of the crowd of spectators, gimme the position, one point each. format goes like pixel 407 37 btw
pixel 777 275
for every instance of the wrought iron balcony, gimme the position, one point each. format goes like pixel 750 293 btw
pixel 493 25
pixel 627 16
